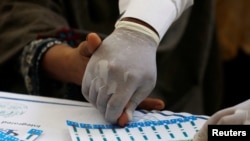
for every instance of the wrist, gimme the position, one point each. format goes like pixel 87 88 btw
pixel 54 62
pixel 140 22
pixel 140 26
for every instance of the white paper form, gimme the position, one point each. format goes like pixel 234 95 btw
pixel 146 126
pixel 49 119
pixel 21 113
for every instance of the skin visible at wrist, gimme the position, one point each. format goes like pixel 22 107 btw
pixel 54 62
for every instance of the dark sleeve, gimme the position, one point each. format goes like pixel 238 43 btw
pixel 24 20
pixel 29 28
pixel 36 81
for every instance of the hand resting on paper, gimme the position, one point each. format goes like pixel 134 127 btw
pixel 87 48
pixel 238 114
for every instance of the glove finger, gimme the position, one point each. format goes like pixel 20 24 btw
pixel 95 88
pixel 243 105
pixel 201 135
pixel 218 115
pixel 239 117
pixel 86 86
pixel 115 106
pixel 140 95
pixel 135 100
pixel 102 99
pixel 93 91
pixel 118 101
pixel 100 71
pixel 247 122
pixel 122 92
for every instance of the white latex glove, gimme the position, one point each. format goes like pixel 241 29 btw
pixel 239 114
pixel 122 70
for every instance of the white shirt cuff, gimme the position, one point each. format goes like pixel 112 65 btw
pixel 160 14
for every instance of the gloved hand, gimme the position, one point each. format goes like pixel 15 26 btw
pixel 121 71
pixel 239 114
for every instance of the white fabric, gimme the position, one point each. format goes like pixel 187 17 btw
pixel 160 14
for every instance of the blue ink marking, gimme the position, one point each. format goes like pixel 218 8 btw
pixel 145 137
pixel 127 130
pixel 157 135
pixel 71 123
pixel 10 131
pixel 183 132
pixel 74 125
pixel 100 130
pixel 114 131
pixel 201 117
pixel 140 129
pixel 82 125
pixel 139 125
pixel 88 131
pixel 153 128
pixel 11 138
pixel 118 138
pixel 143 111
pixel 6 136
pixel 29 137
pixel 194 126
pixel 76 133
pixel 173 114
pixel 171 134
pixel 131 137
pixel 179 125
pixel 136 124
pixel 179 115
pixel 143 134
pixel 2 135
pixel 35 132
pixel 74 128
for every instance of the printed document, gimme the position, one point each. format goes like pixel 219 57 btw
pixel 34 118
